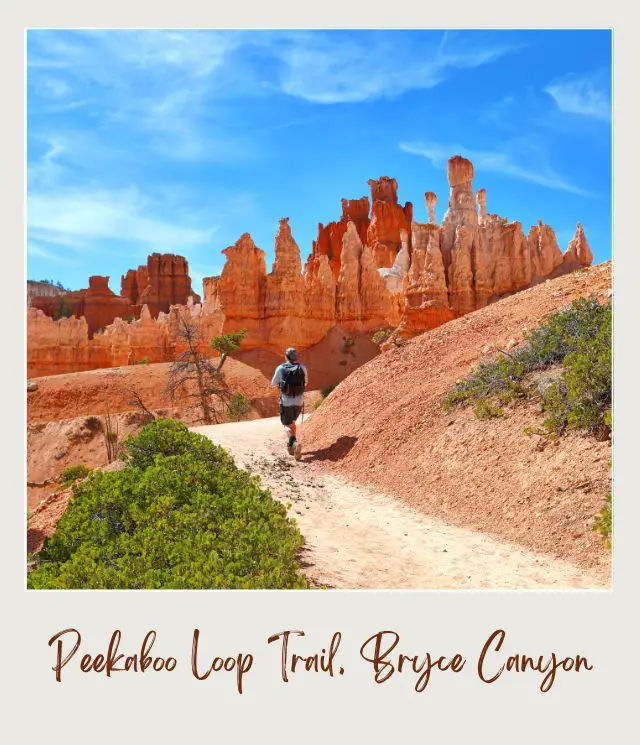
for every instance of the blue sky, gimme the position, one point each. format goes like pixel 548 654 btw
pixel 174 140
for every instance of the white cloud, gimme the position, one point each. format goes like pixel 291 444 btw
pixel 335 69
pixel 35 249
pixel 523 159
pixel 586 95
pixel 54 87
pixel 320 67
pixel 84 216
pixel 159 85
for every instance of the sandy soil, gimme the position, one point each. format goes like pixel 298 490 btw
pixel 385 427
pixel 357 537
pixel 92 392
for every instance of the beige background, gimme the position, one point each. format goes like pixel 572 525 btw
pixel 591 707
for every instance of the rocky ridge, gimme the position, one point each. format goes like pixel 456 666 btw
pixel 375 267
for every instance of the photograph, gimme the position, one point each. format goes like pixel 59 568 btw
pixel 318 309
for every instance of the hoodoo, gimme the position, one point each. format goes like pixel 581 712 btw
pixel 374 267
pixel 163 282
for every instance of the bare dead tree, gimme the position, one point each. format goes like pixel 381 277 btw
pixel 136 400
pixel 193 369
pixel 110 433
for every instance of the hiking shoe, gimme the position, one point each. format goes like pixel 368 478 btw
pixel 297 451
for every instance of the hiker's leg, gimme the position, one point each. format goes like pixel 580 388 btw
pixel 293 429
pixel 286 420
pixel 298 446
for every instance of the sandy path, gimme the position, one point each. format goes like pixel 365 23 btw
pixel 357 538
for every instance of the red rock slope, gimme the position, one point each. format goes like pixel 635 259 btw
pixel 385 426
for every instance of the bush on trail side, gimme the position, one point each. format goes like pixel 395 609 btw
pixel 578 339
pixel 238 407
pixel 73 473
pixel 179 515
pixel 582 398
pixel 603 524
pixel 381 335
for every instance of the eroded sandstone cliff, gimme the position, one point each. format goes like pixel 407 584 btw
pixel 65 345
pixel 375 267
pixel 164 281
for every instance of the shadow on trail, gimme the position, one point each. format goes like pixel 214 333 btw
pixel 304 564
pixel 336 451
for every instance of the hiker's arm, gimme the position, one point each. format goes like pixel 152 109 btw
pixel 277 377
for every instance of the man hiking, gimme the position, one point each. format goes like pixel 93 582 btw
pixel 291 378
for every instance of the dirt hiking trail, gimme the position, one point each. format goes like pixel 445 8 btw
pixel 357 538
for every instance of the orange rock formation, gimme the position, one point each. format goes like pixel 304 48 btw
pixel 65 345
pixel 98 305
pixel 364 272
pixel 329 242
pixel 388 219
pixel 163 282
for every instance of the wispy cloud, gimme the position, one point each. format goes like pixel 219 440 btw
pixel 586 95
pixel 183 70
pixel 158 84
pixel 348 69
pixel 523 159
pixel 80 217
pixel 35 249
pixel 54 87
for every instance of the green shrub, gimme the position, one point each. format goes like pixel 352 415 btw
pixel 564 332
pixel 578 338
pixel 324 392
pixel 238 407
pixel 228 343
pixel 380 336
pixel 502 378
pixel 603 523
pixel 487 409
pixel 166 438
pixel 582 399
pixel 73 473
pixel 143 361
pixel 179 515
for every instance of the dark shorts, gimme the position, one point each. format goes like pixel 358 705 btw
pixel 289 414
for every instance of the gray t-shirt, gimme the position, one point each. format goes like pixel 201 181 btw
pixel 288 400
